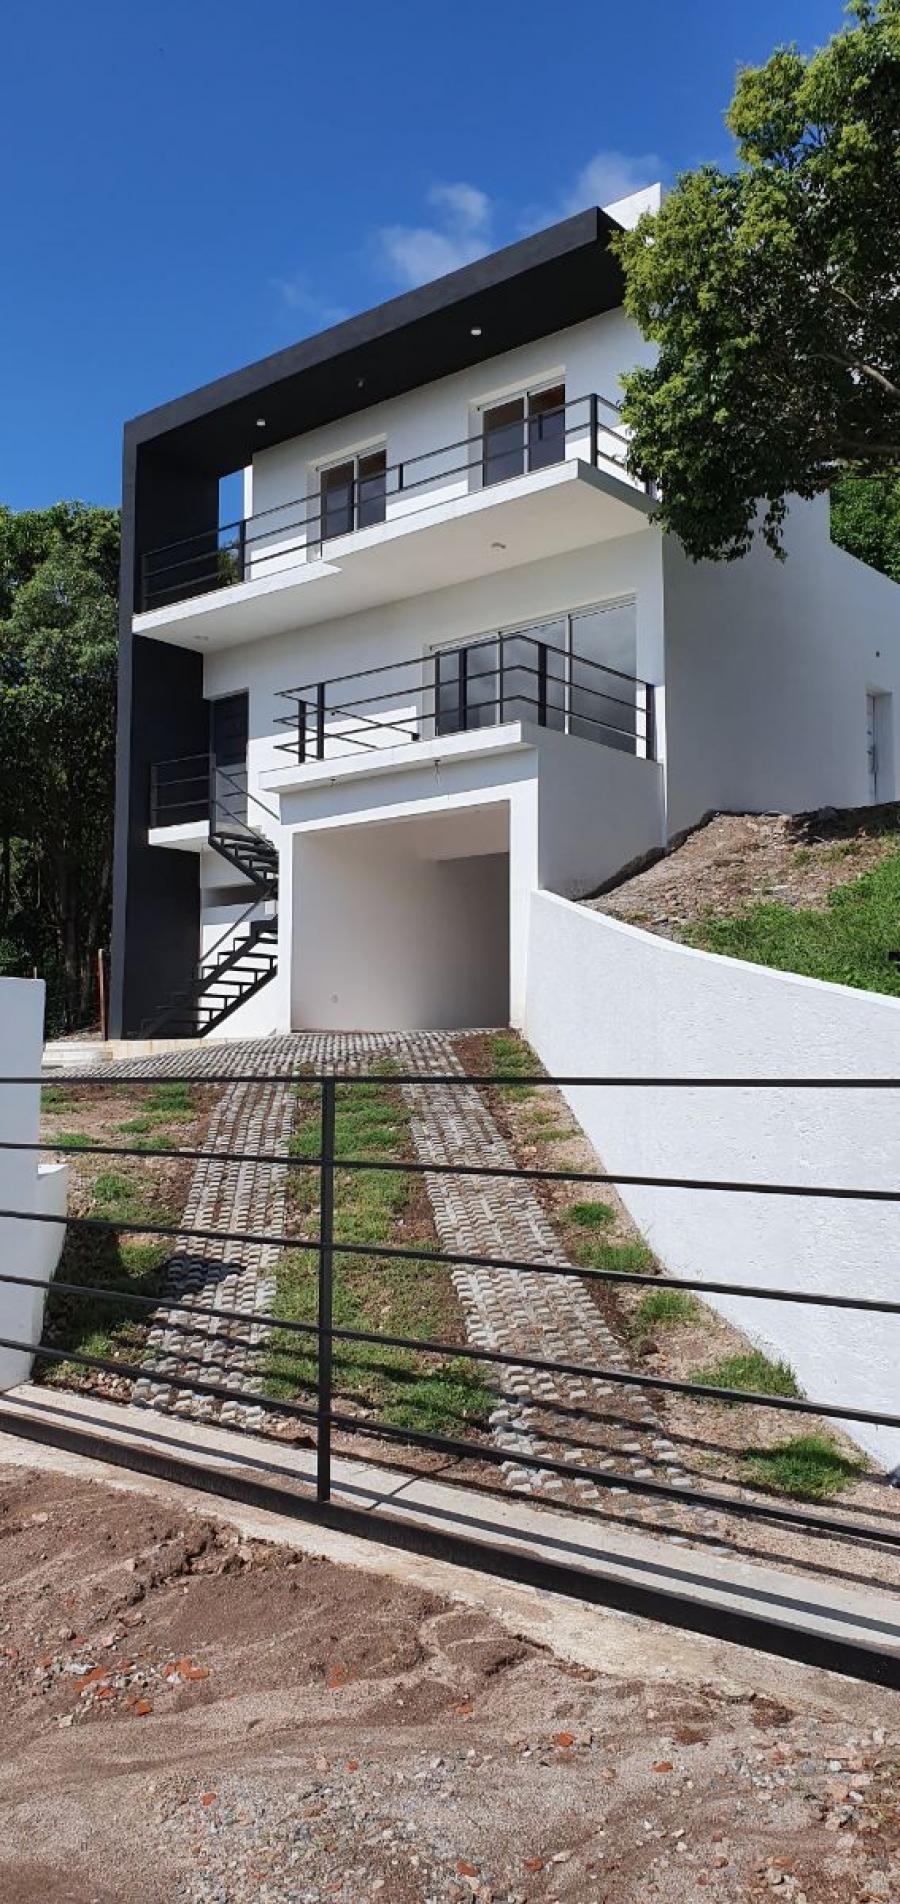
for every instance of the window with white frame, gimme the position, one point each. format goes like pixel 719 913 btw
pixel 351 494
pixel 523 432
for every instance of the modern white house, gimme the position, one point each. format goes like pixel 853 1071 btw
pixel 444 660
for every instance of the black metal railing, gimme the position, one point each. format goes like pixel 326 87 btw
pixel 198 787
pixel 587 427
pixel 480 684
pixel 324 1336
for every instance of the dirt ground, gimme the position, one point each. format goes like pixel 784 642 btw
pixel 191 1716
pixel 737 860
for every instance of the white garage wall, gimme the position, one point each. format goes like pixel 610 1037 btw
pixel 26 1249
pixel 387 940
pixel 607 999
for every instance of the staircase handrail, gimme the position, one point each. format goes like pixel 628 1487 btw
pixel 214 772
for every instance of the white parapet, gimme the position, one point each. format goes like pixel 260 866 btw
pixel 26 1249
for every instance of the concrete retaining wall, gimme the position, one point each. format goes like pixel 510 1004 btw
pixel 606 998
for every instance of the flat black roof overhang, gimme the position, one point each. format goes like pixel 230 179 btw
pixel 542 284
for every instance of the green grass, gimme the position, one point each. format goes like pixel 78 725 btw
pixel 90 1324
pixel 592 1253
pixel 854 940
pixel 589 1216
pixel 389 1295
pixel 57 1100
pixel 809 1466
pixel 511 1055
pixel 665 1309
pixel 749 1370
pixel 74 1140
pixel 164 1107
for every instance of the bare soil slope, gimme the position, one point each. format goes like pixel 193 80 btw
pixel 736 860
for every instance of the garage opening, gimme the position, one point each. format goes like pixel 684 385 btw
pixel 403 925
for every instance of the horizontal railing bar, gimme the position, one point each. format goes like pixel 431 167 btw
pixel 276 1159
pixel 403 463
pixel 261 549
pixel 423 1346
pixel 314 540
pixel 659 1490
pixel 801 1405
pixel 415 1167
pixel 463 647
pixel 738 1187
pixel 466 1450
pixel 476 1080
pixel 133 1371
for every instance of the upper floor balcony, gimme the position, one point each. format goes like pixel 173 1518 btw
pixel 542 475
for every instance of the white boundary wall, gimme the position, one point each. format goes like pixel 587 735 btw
pixel 607 999
pixel 26 1249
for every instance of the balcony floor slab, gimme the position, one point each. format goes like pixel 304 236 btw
pixel 549 512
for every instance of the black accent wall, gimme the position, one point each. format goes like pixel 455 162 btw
pixel 162 714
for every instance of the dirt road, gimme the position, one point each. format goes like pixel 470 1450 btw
pixel 193 1718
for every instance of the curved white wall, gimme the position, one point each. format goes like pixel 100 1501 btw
pixel 606 998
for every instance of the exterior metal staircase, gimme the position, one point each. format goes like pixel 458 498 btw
pixel 250 853
pixel 245 958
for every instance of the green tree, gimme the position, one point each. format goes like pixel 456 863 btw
pixel 58 579
pixel 865 519
pixel 772 295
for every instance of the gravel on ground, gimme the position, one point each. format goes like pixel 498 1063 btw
pixel 194 1717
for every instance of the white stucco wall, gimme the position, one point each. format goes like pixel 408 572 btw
pixel 406 631
pixel 607 999
pixel 767 668
pixel 26 1249
pixel 586 357
pixel 600 808
pixel 388 937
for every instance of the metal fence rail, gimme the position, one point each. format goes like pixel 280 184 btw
pixel 326 1337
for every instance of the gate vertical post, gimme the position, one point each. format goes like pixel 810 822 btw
pixel 325 1311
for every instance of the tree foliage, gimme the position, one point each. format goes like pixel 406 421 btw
pixel 773 295
pixel 58 582
pixel 865 520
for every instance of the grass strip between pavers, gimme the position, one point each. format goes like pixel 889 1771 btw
pixel 395 1296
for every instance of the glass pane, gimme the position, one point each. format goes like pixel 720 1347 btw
pixel 482 686
pixel 504 442
pixel 604 691
pixel 337 500
pixel 547 427
pixel 447 698
pixel 466 687
pixel 534 675
pixel 372 488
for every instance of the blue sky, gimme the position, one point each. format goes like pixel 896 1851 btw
pixel 193 183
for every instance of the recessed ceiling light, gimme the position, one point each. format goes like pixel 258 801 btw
pixel 260 422
pixel 475 330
